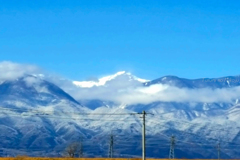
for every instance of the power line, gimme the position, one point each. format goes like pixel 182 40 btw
pixel 194 134
pixel 73 113
pixel 63 117
pixel 144 143
pixel 233 144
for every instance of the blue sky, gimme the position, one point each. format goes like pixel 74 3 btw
pixel 81 39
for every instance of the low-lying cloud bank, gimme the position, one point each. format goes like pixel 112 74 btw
pixel 158 92
pixel 11 71
pixel 122 90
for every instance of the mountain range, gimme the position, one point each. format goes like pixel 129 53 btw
pixel 39 117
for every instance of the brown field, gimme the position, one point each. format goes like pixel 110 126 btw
pixel 39 158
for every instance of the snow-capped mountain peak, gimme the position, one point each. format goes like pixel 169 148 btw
pixel 36 113
pixel 102 81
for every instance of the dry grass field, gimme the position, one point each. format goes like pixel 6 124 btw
pixel 39 158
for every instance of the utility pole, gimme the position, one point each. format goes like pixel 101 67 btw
pixel 110 155
pixel 219 150
pixel 143 137
pixel 81 148
pixel 172 147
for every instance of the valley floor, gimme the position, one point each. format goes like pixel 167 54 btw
pixel 40 158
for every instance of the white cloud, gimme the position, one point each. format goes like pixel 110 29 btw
pixel 121 89
pixel 129 93
pixel 167 93
pixel 32 81
pixel 11 71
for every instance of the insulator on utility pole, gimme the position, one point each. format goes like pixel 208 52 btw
pixel 172 147
pixel 110 154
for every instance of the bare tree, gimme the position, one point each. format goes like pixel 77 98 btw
pixel 72 149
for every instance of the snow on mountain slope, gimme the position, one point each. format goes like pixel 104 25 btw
pixel 60 120
pixel 222 82
pixel 33 90
pixel 102 81
pixel 31 93
pixel 36 115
